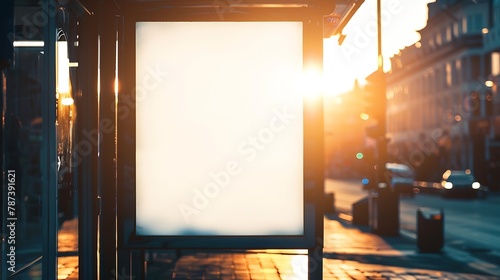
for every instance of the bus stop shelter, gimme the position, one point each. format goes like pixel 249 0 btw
pixel 118 104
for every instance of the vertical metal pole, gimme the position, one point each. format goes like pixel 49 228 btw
pixel 107 150
pixel 382 142
pixel 49 149
pixel 379 36
pixel 87 164
pixel 387 203
pixel 6 54
pixel 313 133
pixel 3 200
pixel 126 260
pixel 137 264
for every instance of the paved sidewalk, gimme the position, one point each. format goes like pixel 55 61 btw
pixel 344 241
pixel 230 265
pixel 351 252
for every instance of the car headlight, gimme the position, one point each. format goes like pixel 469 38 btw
pixel 476 185
pixel 448 185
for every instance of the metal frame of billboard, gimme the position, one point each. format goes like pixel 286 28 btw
pixel 312 19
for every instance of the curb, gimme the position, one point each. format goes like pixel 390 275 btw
pixel 458 255
pixel 461 256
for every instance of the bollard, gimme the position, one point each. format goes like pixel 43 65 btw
pixel 384 212
pixel 430 230
pixel 329 203
pixel 360 212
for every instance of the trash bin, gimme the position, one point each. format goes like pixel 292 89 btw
pixel 430 230
pixel 360 212
pixel 329 203
pixel 384 212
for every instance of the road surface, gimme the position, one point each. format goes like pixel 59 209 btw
pixel 472 225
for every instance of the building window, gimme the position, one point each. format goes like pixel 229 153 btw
pixel 458 104
pixel 464 24
pixel 474 23
pixel 487 66
pixel 424 86
pixel 438 80
pixel 430 83
pixel 478 22
pixel 495 63
pixel 438 39
pixel 464 69
pixel 475 67
pixel 470 23
pixel 496 18
pixel 456 70
pixel 418 88
pixel 449 75
pixel 456 31
pixel 390 94
pixel 448 33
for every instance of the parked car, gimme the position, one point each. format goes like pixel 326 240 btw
pixel 401 178
pixel 461 183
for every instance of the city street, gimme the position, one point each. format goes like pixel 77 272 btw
pixel 471 225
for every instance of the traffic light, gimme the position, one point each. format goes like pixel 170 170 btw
pixel 376 104
pixel 375 96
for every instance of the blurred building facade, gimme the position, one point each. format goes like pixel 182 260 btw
pixel 441 96
pixel 491 41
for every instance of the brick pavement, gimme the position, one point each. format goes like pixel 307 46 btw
pixel 350 253
pixel 260 266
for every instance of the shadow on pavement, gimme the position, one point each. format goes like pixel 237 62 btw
pixel 345 241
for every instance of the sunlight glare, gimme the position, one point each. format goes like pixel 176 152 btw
pixel 338 100
pixel 299 265
pixel 62 68
pixel 356 58
pixel 67 101
pixel 312 83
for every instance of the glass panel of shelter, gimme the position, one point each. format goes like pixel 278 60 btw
pixel 23 141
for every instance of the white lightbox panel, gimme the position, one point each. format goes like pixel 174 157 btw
pixel 219 128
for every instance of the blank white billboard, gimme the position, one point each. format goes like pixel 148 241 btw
pixel 219 128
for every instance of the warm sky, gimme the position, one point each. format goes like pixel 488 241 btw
pixel 357 57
